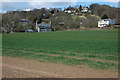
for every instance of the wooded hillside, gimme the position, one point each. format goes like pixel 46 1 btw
pixel 59 18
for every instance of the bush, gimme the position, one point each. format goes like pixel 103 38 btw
pixel 92 21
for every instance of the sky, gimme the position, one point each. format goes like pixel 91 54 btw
pixel 8 5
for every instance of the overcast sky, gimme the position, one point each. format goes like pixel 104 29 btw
pixel 31 4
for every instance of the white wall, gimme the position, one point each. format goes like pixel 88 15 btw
pixel 105 22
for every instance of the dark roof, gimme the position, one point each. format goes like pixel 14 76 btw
pixel 23 20
pixel 44 25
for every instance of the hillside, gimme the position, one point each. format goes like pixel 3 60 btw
pixel 71 17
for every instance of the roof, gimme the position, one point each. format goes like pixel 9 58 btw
pixel 29 30
pixel 23 20
pixel 44 25
pixel 104 19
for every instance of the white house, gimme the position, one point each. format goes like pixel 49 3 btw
pixel 84 9
pixel 70 11
pixel 105 22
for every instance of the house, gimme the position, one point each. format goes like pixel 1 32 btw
pixel 85 9
pixel 23 22
pixel 70 11
pixel 105 22
pixel 43 27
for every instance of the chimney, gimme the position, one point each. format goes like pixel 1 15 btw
pixel 36 26
pixel 50 22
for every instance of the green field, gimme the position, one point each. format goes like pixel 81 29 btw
pixel 94 48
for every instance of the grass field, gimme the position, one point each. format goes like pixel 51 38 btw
pixel 94 48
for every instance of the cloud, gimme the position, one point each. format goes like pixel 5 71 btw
pixel 51 4
pixel 112 0
pixel 60 0
pixel 32 5
pixel 14 5
pixel 22 4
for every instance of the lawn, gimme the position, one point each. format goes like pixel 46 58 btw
pixel 95 48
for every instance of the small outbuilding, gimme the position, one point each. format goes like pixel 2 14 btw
pixel 29 30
